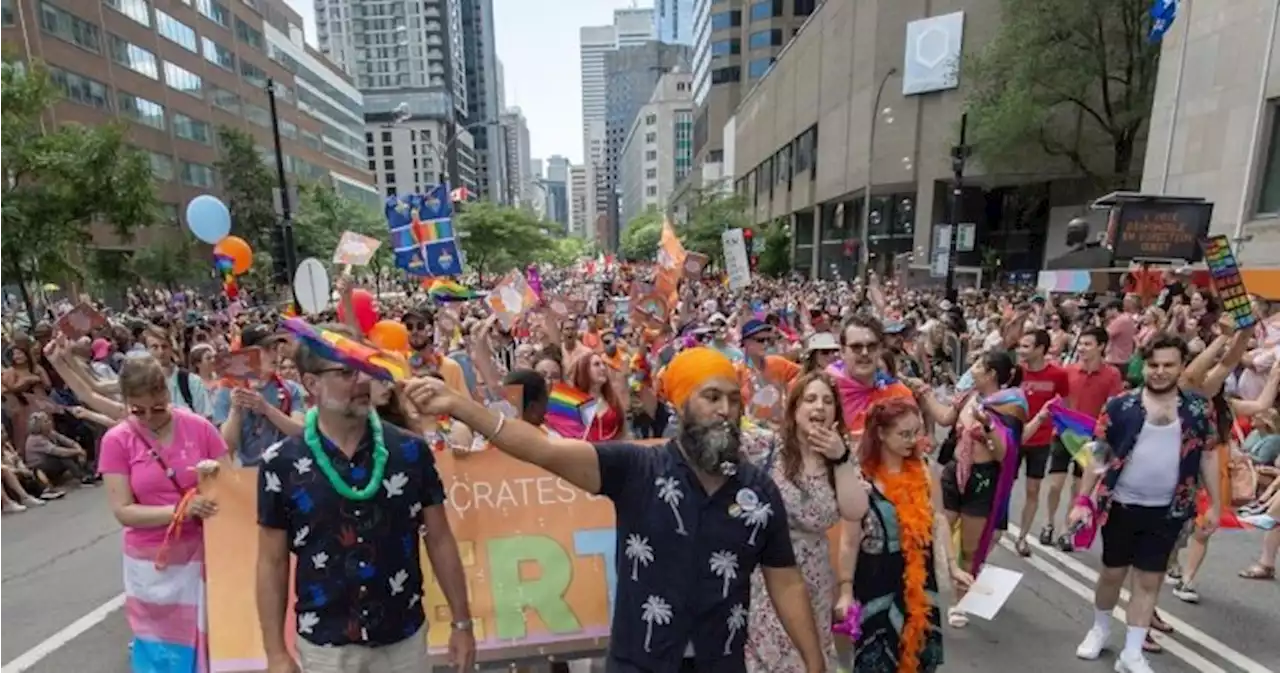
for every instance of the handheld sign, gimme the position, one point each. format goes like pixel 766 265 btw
pixel 311 286
pixel 1224 272
pixel 81 321
pixel 355 249
pixel 240 366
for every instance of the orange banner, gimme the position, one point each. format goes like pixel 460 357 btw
pixel 539 557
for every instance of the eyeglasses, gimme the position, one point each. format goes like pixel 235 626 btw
pixel 417 326
pixel 863 346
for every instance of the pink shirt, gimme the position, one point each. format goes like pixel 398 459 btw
pixel 1122 332
pixel 124 452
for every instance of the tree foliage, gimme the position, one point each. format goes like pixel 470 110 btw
pixel 567 251
pixel 712 213
pixel 639 241
pixel 1065 79
pixel 247 184
pixel 170 262
pixel 58 181
pixel 498 238
pixel 775 250
pixel 323 215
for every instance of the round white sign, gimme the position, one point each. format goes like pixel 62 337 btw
pixel 311 286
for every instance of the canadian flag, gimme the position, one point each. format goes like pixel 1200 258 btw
pixel 460 194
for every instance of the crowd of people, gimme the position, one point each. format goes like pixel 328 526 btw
pixel 794 415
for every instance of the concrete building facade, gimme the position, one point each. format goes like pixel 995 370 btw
pixel 176 72
pixel 578 195
pixel 411 156
pixel 519 163
pixel 673 21
pixel 483 97
pixel 557 186
pixel 658 150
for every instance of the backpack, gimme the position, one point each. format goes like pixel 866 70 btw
pixel 184 387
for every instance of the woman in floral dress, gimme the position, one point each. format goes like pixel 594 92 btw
pixel 819 483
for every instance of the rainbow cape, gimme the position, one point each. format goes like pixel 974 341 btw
pixel 1008 410
pixel 1074 430
pixel 569 411
pixel 446 290
pixel 348 352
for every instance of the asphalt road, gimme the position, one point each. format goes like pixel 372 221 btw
pixel 62 582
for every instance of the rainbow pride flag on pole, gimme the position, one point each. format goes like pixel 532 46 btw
pixel 570 411
pixel 1074 430
pixel 447 290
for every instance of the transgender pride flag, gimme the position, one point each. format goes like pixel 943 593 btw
pixel 164 603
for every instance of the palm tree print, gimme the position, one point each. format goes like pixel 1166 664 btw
pixel 725 565
pixel 757 518
pixel 640 552
pixel 737 620
pixel 670 493
pixel 656 611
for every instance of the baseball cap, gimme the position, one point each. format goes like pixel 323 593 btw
pixel 821 341
pixel 259 335
pixel 100 348
pixel 754 327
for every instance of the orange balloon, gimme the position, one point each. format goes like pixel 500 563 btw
pixel 240 253
pixel 390 335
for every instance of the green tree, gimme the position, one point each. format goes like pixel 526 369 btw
pixel 1064 79
pixel 247 184
pixel 641 237
pixel 499 238
pixel 323 215
pixel 59 181
pixel 170 262
pixel 711 213
pixel 566 251
pixel 775 250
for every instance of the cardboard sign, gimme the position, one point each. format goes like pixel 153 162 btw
pixel 240 365
pixel 81 321
pixel 1224 273
pixel 652 310
pixel 355 249
pixel 511 298
pixel 695 263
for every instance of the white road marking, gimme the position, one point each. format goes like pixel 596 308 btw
pixel 69 633
pixel 1170 645
pixel 1203 639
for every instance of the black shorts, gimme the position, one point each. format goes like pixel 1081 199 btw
pixel 1141 537
pixel 1060 461
pixel 1035 459
pixel 979 497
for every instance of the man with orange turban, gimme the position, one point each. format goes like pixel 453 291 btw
pixel 682 508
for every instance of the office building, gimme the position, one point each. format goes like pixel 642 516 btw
pixel 483 96
pixel 411 156
pixel 735 41
pixel 632 73
pixel 578 194
pixel 535 169
pixel 630 27
pixel 516 140
pixel 657 152
pixel 673 21
pixel 557 186
pixel 177 72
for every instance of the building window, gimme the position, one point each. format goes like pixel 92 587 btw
pixel 288 129
pixel 194 130
pixel 650 138
pixel 389 164
pixel 257 115
pixel 161 166
pixel 805 146
pixel 726 19
pixel 138 10
pixel 391 191
pixel 726 75
pixel 766 9
pixel 390 178
pixel 1269 188
pixel 726 47
pixel 650 120
pixel 650 174
pixel 782 165
pixel 253 74
pixel 73 29
pixel 181 79
pixel 141 110
pixel 178 32
pixel 651 155
pixel 249 35
pixel 197 175
pixel 757 68
pixel 373 164
pixel 804 7
pixel 218 54
pixel 386 137
pixel 762 39
pixel 133 57
pixel 225 100
pixel 215 12
pixel 7 15
pixel 651 190
pixel 81 89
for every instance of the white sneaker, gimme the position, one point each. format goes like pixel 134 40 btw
pixel 32 501
pixel 1132 664
pixel 13 508
pixel 1093 644
pixel 1186 593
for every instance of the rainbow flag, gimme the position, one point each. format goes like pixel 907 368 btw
pixel 446 289
pixel 345 351
pixel 569 411
pixel 1074 430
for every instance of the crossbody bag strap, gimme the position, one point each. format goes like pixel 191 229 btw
pixel 155 455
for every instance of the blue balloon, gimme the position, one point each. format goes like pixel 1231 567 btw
pixel 208 218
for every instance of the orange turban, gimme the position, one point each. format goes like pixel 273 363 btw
pixel 690 369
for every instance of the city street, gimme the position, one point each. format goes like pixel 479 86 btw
pixel 61 600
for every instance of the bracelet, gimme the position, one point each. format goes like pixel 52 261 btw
pixel 502 420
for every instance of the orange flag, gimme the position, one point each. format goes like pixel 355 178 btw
pixel 671 256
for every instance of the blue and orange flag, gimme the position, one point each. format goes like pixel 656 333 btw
pixel 422 233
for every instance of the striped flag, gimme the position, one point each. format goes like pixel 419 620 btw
pixel 422 233
pixel 1163 12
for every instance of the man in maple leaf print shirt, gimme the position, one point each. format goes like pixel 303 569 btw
pixel 694 522
pixel 349 498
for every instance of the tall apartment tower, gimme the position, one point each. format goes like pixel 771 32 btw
pixel 673 21
pixel 578 193
pixel 520 188
pixel 483 96
pixel 557 185
pixel 734 43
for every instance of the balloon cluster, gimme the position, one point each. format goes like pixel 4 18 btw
pixel 389 335
pixel 210 220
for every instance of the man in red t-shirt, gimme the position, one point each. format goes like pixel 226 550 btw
pixel 1042 382
pixel 1092 382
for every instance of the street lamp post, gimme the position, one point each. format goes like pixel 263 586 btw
pixel 959 154
pixel 864 250
pixel 286 209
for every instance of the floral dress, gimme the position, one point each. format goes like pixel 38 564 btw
pixel 811 512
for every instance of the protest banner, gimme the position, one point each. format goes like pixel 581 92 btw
pixel 539 556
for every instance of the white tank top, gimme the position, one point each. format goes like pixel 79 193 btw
pixel 1151 475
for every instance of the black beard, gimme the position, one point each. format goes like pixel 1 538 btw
pixel 713 448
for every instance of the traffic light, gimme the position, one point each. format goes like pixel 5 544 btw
pixel 749 239
pixel 279 258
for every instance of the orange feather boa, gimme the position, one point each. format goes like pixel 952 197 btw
pixel 908 490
